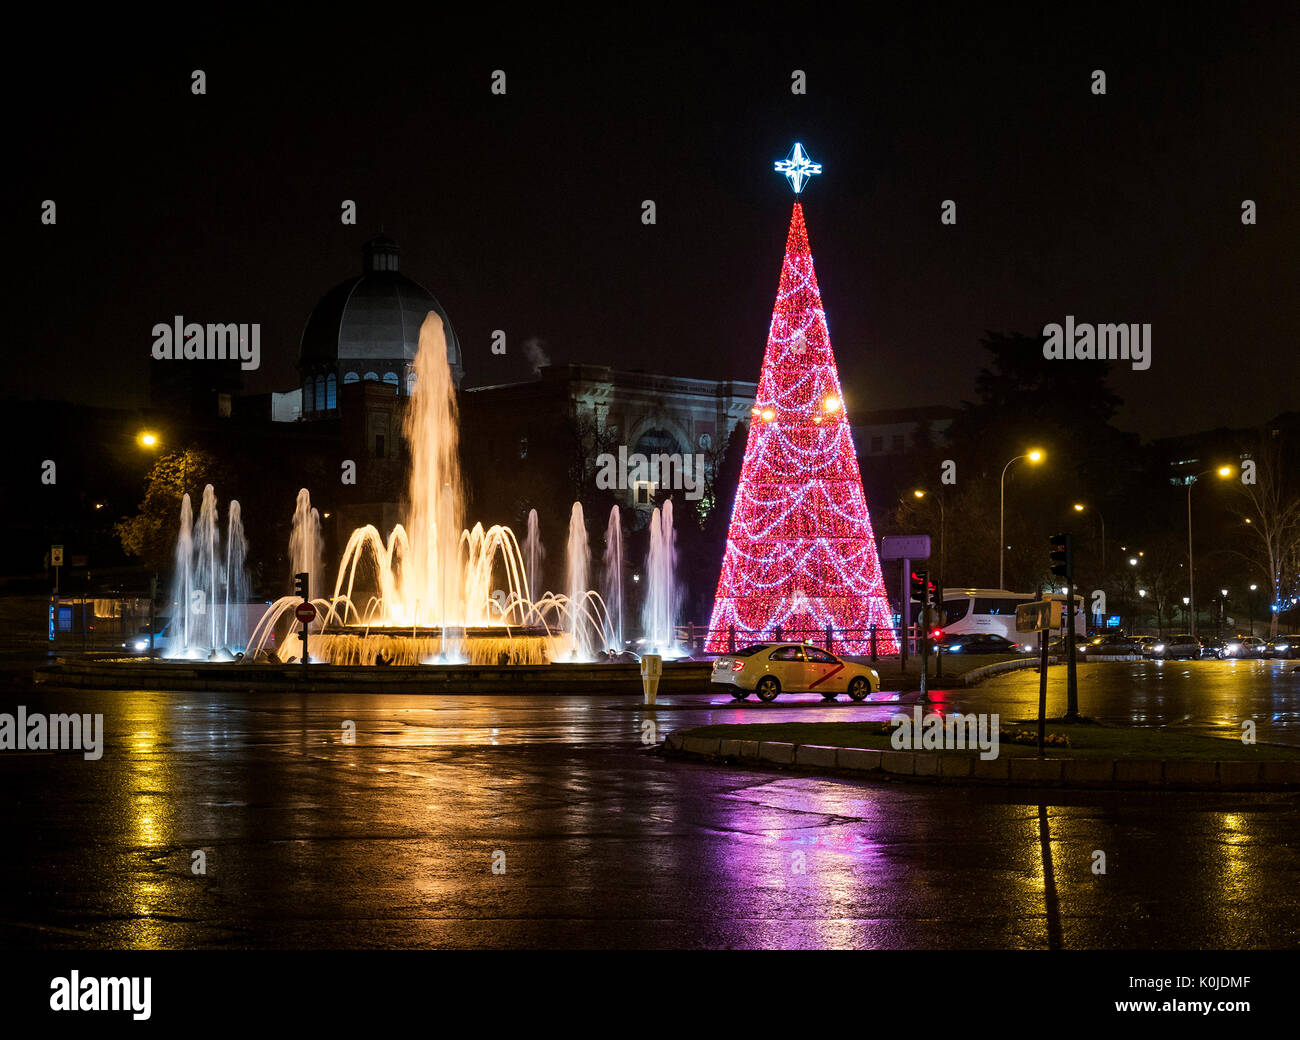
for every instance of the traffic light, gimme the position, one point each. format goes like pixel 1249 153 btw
pixel 1062 558
pixel 921 587
pixel 300 585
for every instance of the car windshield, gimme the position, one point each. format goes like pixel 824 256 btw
pixel 748 651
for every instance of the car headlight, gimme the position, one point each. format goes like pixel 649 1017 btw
pixel 1282 646
pixel 1159 648
pixel 142 644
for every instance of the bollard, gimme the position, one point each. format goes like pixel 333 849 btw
pixel 652 666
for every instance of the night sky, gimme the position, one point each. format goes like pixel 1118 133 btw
pixel 522 212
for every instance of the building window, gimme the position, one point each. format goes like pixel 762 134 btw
pixel 371 377
pixel 379 445
pixel 350 377
pixel 332 392
pixel 410 382
pixel 391 379
pixel 320 393
pixel 643 493
pixel 896 442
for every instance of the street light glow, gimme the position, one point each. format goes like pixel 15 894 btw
pixel 1035 456
pixel 919 493
pixel 1078 507
pixel 147 439
pixel 1225 471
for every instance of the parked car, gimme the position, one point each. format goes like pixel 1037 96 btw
pixel 1244 646
pixel 769 669
pixel 1111 644
pixel 1145 643
pixel 980 643
pixel 1285 646
pixel 1185 647
pixel 1211 647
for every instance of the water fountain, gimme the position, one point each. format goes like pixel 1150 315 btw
pixel 209 583
pixel 659 613
pixel 425 594
pixel 534 552
pixel 613 587
pixel 305 546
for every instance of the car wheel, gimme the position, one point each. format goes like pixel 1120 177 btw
pixel 859 688
pixel 739 695
pixel 767 688
pixel 829 696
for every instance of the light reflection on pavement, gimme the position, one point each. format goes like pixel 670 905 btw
pixel 313 841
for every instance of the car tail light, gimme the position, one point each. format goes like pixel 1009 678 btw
pixel 937 634
pixel 737 665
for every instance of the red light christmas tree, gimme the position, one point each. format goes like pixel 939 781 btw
pixel 801 554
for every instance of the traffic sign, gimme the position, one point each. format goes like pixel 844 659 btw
pixel 1040 616
pixel 56 556
pixel 305 613
pixel 905 547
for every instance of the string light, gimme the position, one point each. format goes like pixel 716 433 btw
pixel 801 552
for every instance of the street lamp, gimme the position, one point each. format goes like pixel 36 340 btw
pixel 147 439
pixel 1251 600
pixel 1035 455
pixel 1079 507
pixel 1222 471
pixel 920 493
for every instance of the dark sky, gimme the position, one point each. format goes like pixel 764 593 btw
pixel 523 212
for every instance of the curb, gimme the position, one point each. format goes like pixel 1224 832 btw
pixel 977 675
pixel 557 679
pixel 931 767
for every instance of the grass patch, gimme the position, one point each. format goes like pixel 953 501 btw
pixel 1088 740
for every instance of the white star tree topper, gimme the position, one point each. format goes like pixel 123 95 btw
pixel 798 168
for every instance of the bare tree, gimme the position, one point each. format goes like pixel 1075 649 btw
pixel 1270 500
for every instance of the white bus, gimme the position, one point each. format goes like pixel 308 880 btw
pixel 994 611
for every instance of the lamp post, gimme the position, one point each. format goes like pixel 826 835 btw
pixel 1079 507
pixel 1251 601
pixel 921 493
pixel 1222 471
pixel 1033 456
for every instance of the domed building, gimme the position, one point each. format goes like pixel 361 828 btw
pixel 368 329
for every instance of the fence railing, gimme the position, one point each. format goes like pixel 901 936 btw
pixel 876 641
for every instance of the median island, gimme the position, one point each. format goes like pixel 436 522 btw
pixel 1082 754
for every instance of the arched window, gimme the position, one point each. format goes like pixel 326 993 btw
pixel 350 377
pixel 320 393
pixel 391 379
pixel 372 377
pixel 332 392
pixel 410 382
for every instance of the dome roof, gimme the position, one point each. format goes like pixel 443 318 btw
pixel 374 316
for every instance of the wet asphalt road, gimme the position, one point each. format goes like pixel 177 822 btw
pixel 391 841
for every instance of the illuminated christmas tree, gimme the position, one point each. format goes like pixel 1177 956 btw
pixel 801 554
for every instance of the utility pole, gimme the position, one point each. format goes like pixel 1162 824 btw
pixel 1063 567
